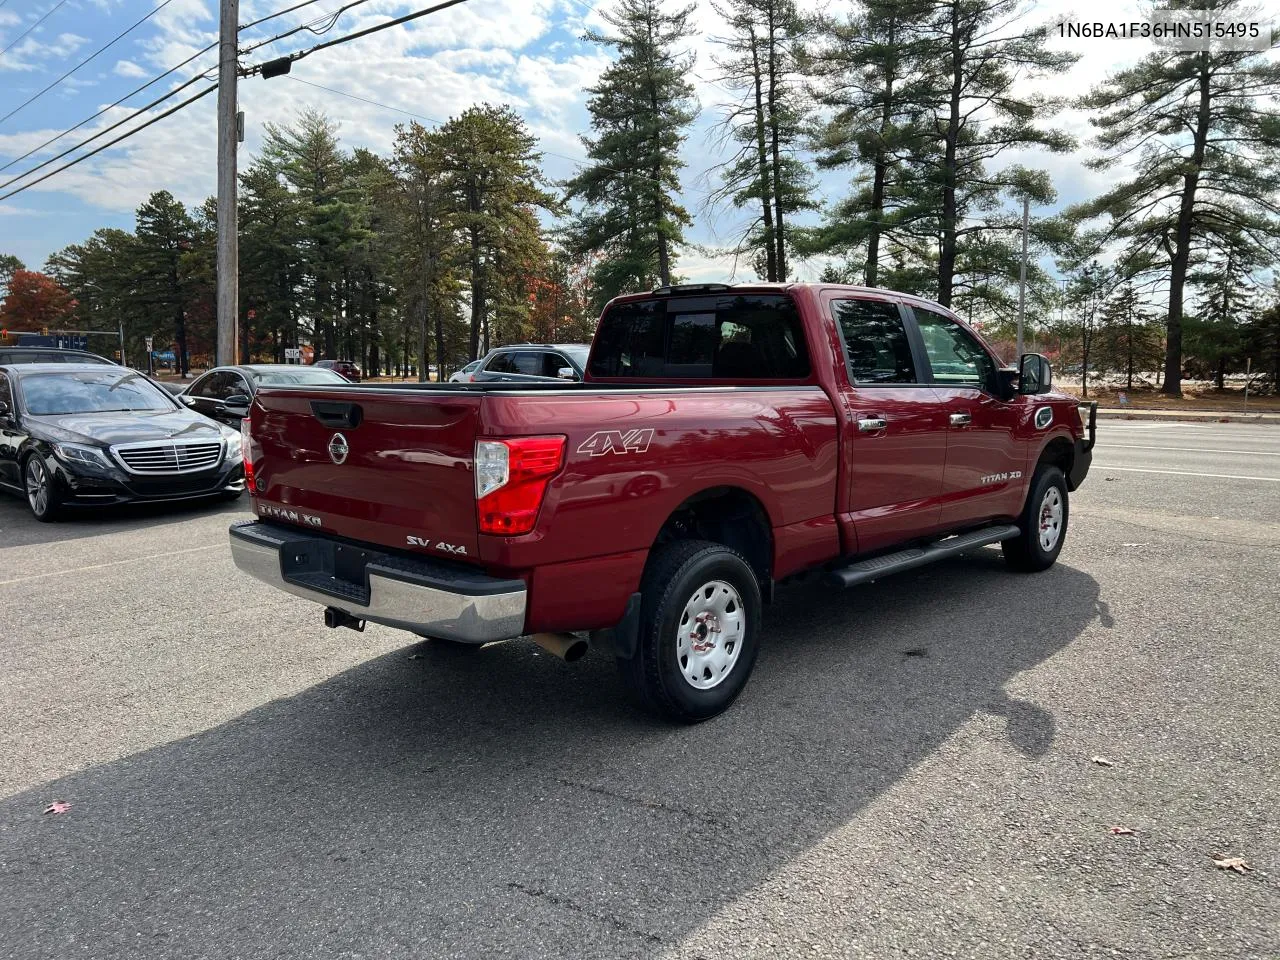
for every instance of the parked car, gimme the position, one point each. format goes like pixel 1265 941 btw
pixel 224 393
pixel 15 355
pixel 533 361
pixel 724 441
pixel 85 435
pixel 345 367
pixel 464 375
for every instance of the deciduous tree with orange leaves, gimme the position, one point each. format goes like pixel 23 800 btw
pixel 35 300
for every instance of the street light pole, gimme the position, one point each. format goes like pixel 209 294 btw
pixel 1022 274
pixel 228 240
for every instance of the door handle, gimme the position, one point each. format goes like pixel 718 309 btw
pixel 872 424
pixel 961 419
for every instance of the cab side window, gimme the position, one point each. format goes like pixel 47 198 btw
pixel 875 342
pixel 956 356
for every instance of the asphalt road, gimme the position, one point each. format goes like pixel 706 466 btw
pixel 909 773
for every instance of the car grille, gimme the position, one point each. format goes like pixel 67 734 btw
pixel 170 457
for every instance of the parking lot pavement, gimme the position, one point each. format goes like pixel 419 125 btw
pixel 910 771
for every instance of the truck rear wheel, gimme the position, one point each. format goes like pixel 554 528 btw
pixel 1043 522
pixel 699 629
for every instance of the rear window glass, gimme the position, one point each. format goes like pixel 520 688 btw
pixel 730 337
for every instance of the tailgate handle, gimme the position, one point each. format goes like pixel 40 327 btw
pixel 335 414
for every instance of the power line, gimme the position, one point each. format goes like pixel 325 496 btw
pixel 119 123
pixel 91 56
pixel 278 13
pixel 329 20
pixel 112 106
pixel 110 143
pixel 299 54
pixel 23 35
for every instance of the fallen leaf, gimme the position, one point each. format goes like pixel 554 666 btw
pixel 1230 863
pixel 1123 832
pixel 1102 761
pixel 58 806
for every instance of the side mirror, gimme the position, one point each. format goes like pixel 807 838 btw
pixel 1034 374
pixel 4 411
pixel 187 399
pixel 237 400
pixel 566 373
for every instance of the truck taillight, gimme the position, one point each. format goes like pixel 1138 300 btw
pixel 246 452
pixel 511 480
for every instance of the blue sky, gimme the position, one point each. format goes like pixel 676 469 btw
pixel 527 53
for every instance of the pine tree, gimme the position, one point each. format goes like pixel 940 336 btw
pixel 869 73
pixel 640 111
pixel 977 58
pixel 761 63
pixel 101 274
pixel 496 184
pixel 307 154
pixel 9 265
pixel 1130 342
pixel 1201 129
pixel 165 231
pixel 427 243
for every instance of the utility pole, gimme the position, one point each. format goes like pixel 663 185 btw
pixel 1022 274
pixel 228 240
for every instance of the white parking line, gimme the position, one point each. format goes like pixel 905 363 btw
pixel 112 563
pixel 1186 473
pixel 1143 446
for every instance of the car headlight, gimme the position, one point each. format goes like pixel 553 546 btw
pixel 233 445
pixel 77 454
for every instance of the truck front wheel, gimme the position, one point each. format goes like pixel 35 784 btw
pixel 699 629
pixel 1043 522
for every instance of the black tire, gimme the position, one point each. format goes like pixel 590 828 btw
pixel 656 674
pixel 35 472
pixel 1026 552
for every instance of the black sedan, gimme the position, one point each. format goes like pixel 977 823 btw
pixel 76 435
pixel 224 393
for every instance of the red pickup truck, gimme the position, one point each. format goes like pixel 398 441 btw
pixel 724 439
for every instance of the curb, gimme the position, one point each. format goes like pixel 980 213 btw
pixel 1193 416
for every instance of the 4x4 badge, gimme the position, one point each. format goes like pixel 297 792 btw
pixel 338 448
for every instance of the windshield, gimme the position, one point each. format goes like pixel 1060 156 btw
pixel 91 391
pixel 279 377
pixel 578 355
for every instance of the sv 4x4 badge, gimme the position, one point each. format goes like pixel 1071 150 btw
pixel 413 541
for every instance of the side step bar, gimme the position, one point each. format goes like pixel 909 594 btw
pixel 864 571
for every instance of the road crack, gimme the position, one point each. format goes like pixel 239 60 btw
pixel 573 906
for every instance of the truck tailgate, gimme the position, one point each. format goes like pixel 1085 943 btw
pixel 393 469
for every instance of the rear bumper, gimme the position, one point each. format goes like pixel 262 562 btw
pixel 426 597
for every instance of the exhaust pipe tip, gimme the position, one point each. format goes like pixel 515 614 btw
pixel 566 646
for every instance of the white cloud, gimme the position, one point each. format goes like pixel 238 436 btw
pixel 127 68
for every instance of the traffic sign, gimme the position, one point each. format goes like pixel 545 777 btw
pixel 293 353
pixel 149 342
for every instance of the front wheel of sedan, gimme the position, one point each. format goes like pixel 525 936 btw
pixel 42 497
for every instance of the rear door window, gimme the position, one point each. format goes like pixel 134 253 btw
pixel 875 342
pixel 528 362
pixel 731 337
